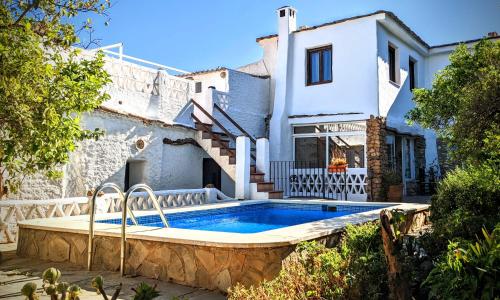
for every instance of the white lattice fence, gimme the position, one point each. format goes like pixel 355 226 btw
pixel 318 183
pixel 167 198
pixel 13 211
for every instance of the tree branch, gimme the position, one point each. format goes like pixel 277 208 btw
pixel 30 6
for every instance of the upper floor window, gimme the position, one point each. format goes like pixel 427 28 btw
pixel 392 64
pixel 413 72
pixel 319 65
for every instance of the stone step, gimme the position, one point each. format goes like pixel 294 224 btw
pixel 200 126
pixel 253 169
pixel 232 160
pixel 275 195
pixel 228 152
pixel 220 143
pixel 256 177
pixel 265 186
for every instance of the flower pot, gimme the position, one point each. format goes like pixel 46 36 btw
pixel 337 168
pixel 395 193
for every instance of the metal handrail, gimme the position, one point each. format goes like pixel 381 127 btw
pixel 121 56
pixel 232 136
pixel 234 123
pixel 217 138
pixel 124 218
pixel 125 209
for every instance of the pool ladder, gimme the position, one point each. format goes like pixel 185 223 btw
pixel 125 210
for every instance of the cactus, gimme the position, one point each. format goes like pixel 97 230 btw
pixel 51 290
pixel 29 290
pixel 145 292
pixel 117 292
pixel 74 291
pixel 98 284
pixel 62 288
pixel 51 275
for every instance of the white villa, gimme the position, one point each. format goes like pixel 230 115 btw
pixel 268 129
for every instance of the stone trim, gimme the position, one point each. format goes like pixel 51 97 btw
pixel 376 156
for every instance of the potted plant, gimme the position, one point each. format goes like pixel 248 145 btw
pixel 393 186
pixel 337 165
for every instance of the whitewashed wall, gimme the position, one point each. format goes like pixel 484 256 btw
pixel 353 88
pixel 247 102
pixel 395 100
pixel 146 92
pixel 95 162
pixel 244 97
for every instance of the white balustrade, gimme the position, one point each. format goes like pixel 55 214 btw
pixel 317 183
pixel 13 211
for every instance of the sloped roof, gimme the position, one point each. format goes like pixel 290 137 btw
pixel 389 14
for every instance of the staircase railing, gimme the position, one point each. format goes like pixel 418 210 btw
pixel 224 129
pixel 252 139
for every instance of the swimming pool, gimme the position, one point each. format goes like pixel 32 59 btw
pixel 250 218
pixel 213 246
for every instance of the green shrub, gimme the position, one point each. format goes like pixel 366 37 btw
pixel 469 272
pixel 354 269
pixel 362 246
pixel 466 201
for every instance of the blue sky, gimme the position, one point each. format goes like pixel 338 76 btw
pixel 195 34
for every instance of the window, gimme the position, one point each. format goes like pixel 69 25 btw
pixel 392 63
pixel 311 151
pixel 390 142
pixel 348 147
pixel 408 157
pixel 197 87
pixel 319 65
pixel 316 145
pixel 412 70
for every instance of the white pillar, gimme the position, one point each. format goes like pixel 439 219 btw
pixel 262 162
pixel 207 102
pixel 242 182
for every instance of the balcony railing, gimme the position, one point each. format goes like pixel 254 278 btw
pixel 313 180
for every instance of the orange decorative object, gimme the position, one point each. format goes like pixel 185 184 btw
pixel 337 168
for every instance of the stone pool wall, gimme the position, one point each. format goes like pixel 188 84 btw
pixel 192 265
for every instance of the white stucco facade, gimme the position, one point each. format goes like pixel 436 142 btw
pixel 360 85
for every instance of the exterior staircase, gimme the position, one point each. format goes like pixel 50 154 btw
pixel 219 146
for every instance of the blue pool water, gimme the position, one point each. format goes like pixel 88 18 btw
pixel 250 218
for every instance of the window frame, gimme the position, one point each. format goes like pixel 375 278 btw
pixel 412 70
pixel 309 52
pixel 329 133
pixel 392 63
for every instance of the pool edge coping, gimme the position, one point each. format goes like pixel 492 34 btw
pixel 281 237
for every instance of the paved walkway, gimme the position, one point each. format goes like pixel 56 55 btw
pixel 15 272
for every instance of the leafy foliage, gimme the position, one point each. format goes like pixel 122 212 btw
pixel 463 105
pixel 354 269
pixel 468 272
pixel 145 292
pixel 44 87
pixel 466 200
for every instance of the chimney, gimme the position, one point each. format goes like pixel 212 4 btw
pixel 286 19
pixel 279 131
pixel 492 34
